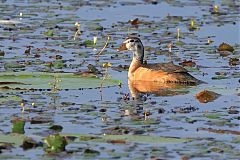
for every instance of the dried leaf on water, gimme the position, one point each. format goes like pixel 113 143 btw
pixel 225 47
pixel 2 53
pixel 134 22
pixel 206 96
pixel 220 131
pixel 29 143
pixel 188 63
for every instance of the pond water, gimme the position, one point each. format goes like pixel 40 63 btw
pixel 107 123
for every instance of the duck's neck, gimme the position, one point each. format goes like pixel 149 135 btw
pixel 137 62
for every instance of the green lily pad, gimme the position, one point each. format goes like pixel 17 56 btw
pixel 130 138
pixel 58 64
pixel 14 98
pixel 42 80
pixel 10 65
pixel 55 143
pixel 15 139
pixel 88 43
pixel 95 26
pixel 213 115
pixel 18 126
pixel 49 33
pixel 219 77
pixel 91 153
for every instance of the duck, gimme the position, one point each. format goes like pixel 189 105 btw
pixel 157 72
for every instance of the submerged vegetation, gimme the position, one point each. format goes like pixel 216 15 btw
pixel 65 93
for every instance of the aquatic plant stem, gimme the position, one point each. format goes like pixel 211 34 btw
pixel 100 52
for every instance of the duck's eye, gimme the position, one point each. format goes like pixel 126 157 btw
pixel 131 40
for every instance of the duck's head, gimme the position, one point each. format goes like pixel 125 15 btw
pixel 135 45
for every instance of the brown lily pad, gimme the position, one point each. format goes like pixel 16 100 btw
pixel 135 22
pixel 86 74
pixel 184 109
pixel 29 143
pixel 220 131
pixel 117 141
pixel 5 146
pixel 206 96
pixel 234 61
pixel 5 83
pixel 120 68
pixel 225 47
pixel 121 130
pixel 188 63
pixel 40 120
pixel 2 53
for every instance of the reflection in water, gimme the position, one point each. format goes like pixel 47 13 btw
pixel 158 89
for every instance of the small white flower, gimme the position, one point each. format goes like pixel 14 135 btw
pixel 94 40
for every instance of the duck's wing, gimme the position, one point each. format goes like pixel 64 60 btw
pixel 166 67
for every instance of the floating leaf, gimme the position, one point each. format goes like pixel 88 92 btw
pixel 2 53
pixel 29 143
pixel 41 80
pixel 58 64
pixel 218 77
pixel 49 33
pixel 95 26
pixel 206 96
pixel 55 143
pixel 13 98
pixel 18 126
pixel 188 63
pixel 91 153
pixel 14 139
pixel 11 65
pixel 220 131
pixel 234 61
pixel 225 47
pixel 88 43
pixel 134 22
pixel 213 115
pixel 130 138
pixel 57 128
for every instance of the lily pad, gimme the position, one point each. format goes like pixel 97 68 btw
pixel 2 53
pixel 10 65
pixel 225 47
pixel 55 143
pixel 18 126
pixel 95 26
pixel 206 96
pixel 42 80
pixel 130 138
pixel 58 64
pixel 15 139
pixel 49 33
pixel 88 43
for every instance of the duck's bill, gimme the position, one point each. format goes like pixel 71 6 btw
pixel 122 47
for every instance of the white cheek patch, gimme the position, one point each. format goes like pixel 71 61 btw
pixel 128 45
